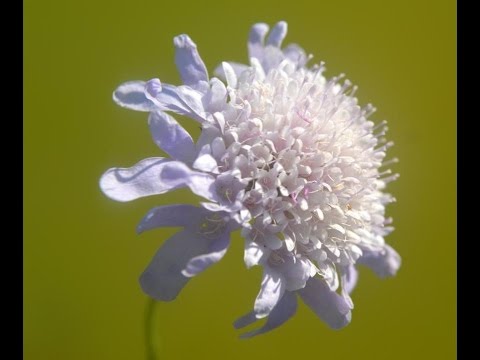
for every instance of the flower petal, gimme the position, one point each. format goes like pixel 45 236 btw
pixel 131 95
pixel 237 68
pixel 351 278
pixel 256 39
pixel 284 310
pixel 142 179
pixel 346 283
pixel 163 278
pixel 254 253
pixel 171 137
pixel 272 289
pixel 176 174
pixel 384 263
pixel 230 75
pixel 216 97
pixel 182 100
pixel 296 54
pixel 297 274
pixel 215 253
pixel 205 161
pixel 278 33
pixel 170 215
pixel 189 63
pixel 325 303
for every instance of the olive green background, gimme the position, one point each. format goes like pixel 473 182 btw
pixel 82 257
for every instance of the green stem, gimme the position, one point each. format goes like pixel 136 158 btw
pixel 151 336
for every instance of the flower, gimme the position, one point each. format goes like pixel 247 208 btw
pixel 286 156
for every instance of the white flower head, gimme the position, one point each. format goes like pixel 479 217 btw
pixel 286 155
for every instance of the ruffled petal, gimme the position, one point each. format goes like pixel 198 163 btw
pixel 182 100
pixel 256 40
pixel 131 95
pixel 278 33
pixel 171 215
pixel 176 174
pixel 163 278
pixel 215 253
pixel 384 263
pixel 254 253
pixel 189 63
pixel 230 75
pixel 271 291
pixel 284 310
pixel 326 304
pixel 237 68
pixel 171 137
pixel 216 97
pixel 297 274
pixel 296 54
pixel 142 179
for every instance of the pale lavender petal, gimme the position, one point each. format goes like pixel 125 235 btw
pixel 131 95
pixel 284 310
pixel 205 161
pixel 171 137
pixel 254 253
pixel 297 274
pixel 326 304
pixel 142 179
pixel 216 97
pixel 237 68
pixel 170 215
pixel 278 33
pixel 189 63
pixel 230 75
pixel 163 279
pixel 384 263
pixel 182 100
pixel 256 40
pixel 215 253
pixel 271 291
pixel 347 276
pixel 351 278
pixel 295 53
pixel 176 174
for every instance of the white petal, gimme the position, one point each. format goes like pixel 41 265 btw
pixel 254 253
pixel 237 68
pixel 229 75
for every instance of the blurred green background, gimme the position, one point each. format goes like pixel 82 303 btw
pixel 82 257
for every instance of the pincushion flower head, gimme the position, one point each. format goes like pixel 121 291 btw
pixel 286 156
